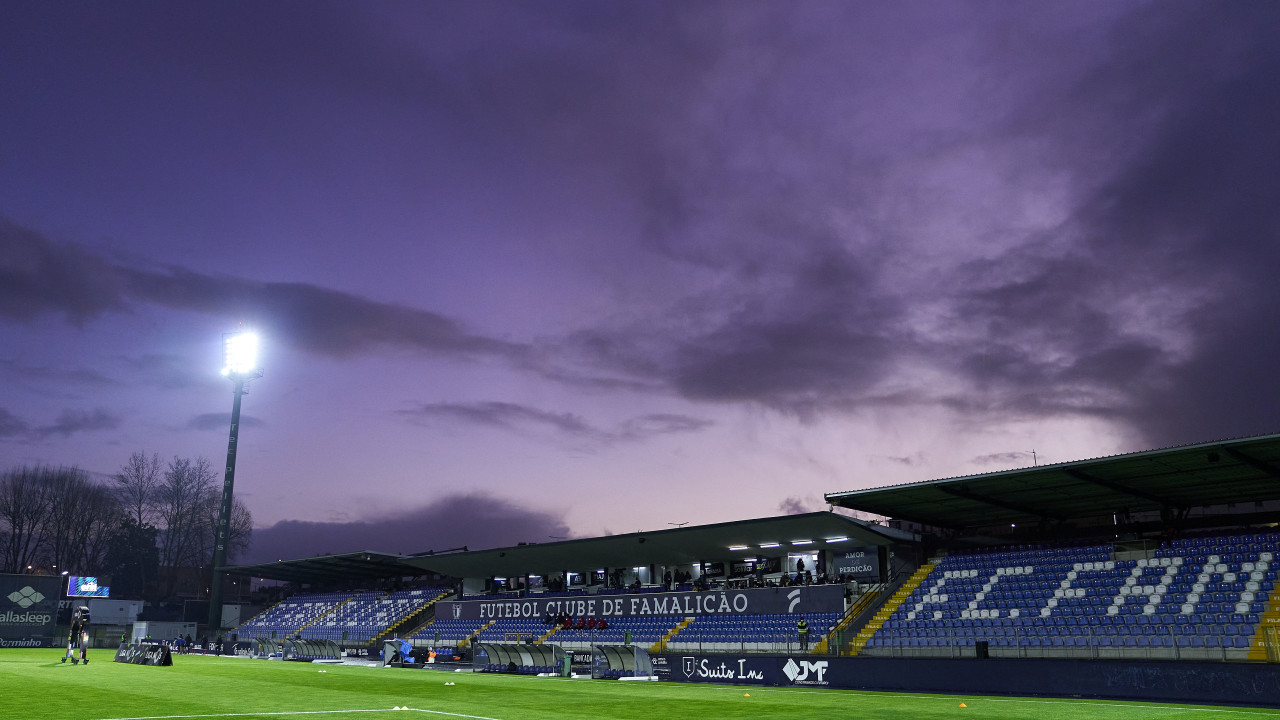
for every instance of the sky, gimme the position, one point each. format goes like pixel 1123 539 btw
pixel 534 270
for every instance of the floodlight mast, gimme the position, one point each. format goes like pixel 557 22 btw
pixel 242 366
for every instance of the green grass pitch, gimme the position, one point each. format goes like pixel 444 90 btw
pixel 34 685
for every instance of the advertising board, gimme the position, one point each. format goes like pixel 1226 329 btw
pixel 29 610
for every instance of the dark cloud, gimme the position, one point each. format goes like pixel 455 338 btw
pixel 646 426
pixel 821 338
pixel 798 506
pixel 475 520
pixel 78 376
pixel 221 421
pixel 11 426
pixel 37 277
pixel 311 318
pixel 1004 459
pixel 70 422
pixel 508 416
pixel 1145 305
pixel 908 460
pixel 1196 207
pixel 522 418
pixel 1009 212
pixel 1141 293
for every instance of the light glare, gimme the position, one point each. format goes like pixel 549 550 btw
pixel 241 353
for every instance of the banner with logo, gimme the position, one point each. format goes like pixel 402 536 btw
pixel 29 610
pixel 860 563
pixel 806 599
pixel 156 654
pixel 1195 681
pixel 799 670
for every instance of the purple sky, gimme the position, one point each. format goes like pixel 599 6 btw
pixel 566 268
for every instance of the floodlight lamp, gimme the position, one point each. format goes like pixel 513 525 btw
pixel 801 542
pixel 241 354
pixel 738 547
pixel 767 545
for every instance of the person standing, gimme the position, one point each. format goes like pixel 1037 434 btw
pixel 79 636
pixel 802 629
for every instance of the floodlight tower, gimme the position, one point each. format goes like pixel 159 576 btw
pixel 241 350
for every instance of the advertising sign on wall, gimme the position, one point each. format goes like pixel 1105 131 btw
pixel 807 599
pixel 860 563
pixel 745 670
pixel 28 610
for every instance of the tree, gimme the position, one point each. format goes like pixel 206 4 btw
pixel 24 503
pixel 75 506
pixel 103 516
pixel 132 559
pixel 136 484
pixel 180 502
pixel 239 534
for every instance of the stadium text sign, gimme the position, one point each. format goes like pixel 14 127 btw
pixel 786 600
pixel 860 562
pixel 28 610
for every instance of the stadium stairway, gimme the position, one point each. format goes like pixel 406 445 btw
pixel 413 622
pixel 899 596
pixel 1268 623
pixel 661 645
pixel 855 610
pixel 331 611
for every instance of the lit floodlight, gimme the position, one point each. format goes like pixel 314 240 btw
pixel 767 545
pixel 801 542
pixel 737 547
pixel 241 353
pixel 842 538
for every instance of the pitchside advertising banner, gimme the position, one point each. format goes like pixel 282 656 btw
pixel 28 610
pixel 154 654
pixel 861 563
pixel 745 670
pixel 785 600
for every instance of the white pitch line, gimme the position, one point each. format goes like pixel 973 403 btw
pixel 304 712
pixel 253 714
pixel 451 714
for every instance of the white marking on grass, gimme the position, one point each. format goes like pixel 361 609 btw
pixel 304 712
pixel 254 714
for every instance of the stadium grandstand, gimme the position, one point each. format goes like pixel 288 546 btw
pixel 1164 556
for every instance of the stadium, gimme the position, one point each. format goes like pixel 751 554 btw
pixel 1137 585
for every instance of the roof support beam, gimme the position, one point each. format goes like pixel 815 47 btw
pixel 1262 465
pixel 963 492
pixel 1118 488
